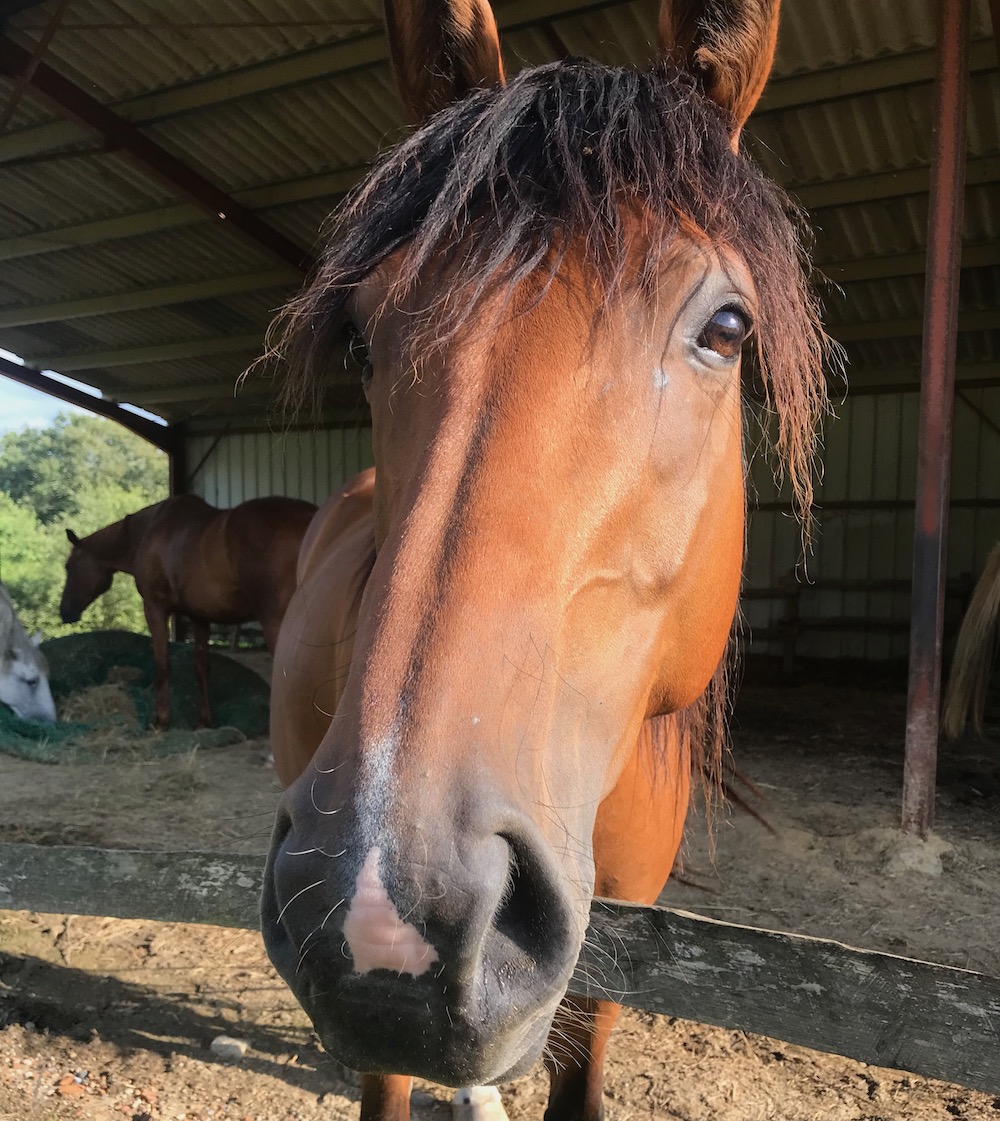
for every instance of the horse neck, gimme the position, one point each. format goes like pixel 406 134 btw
pixel 116 545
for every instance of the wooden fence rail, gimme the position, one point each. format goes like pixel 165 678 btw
pixel 884 1010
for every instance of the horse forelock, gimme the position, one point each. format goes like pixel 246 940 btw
pixel 561 155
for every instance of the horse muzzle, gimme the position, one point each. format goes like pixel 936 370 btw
pixel 444 959
pixel 69 614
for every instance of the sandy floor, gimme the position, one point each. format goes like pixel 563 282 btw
pixel 109 1019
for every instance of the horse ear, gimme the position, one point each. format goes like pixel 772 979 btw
pixel 728 45
pixel 36 639
pixel 440 50
pixel 72 537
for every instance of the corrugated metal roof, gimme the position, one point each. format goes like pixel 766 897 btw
pixel 275 97
pixel 171 43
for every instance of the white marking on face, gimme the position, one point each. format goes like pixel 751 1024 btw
pixel 374 793
pixel 478 1103
pixel 374 932
pixel 661 379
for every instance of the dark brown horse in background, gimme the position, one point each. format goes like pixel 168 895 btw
pixel 507 648
pixel 214 566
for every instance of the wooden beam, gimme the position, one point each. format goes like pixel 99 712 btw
pixel 884 1010
pixel 59 94
pixel 330 184
pixel 143 355
pixel 880 1009
pixel 168 294
pixel 158 435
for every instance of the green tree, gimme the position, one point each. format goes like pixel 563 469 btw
pixel 85 472
pixel 50 470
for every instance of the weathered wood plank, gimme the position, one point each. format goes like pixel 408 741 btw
pixel 881 1009
pixel 203 887
pixel 884 1010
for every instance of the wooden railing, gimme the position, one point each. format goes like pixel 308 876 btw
pixel 883 1010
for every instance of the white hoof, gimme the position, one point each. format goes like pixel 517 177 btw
pixel 478 1103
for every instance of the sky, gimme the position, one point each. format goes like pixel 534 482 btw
pixel 22 407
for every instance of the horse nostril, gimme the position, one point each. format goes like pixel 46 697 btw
pixel 525 912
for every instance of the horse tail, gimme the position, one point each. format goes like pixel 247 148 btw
pixel 975 654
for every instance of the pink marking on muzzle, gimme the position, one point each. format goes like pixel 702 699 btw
pixel 375 934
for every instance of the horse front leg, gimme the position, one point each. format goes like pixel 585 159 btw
pixel 636 837
pixel 575 1058
pixel 156 620
pixel 385 1097
pixel 201 632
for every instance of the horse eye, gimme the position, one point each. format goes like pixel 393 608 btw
pixel 725 332
pixel 357 353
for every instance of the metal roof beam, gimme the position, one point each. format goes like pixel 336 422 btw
pixel 157 434
pixel 329 184
pixel 10 8
pixel 59 94
pixel 177 394
pixel 906 379
pixel 869 268
pixel 888 184
pixel 360 52
pixel 147 298
pixel 904 264
pixel 214 391
pixel 979 320
pixel 881 185
pixel 356 53
pixel 855 79
pixel 142 355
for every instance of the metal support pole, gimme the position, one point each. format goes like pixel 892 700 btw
pixel 995 17
pixel 937 394
pixel 178 468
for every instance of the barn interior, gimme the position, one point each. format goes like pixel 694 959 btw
pixel 165 172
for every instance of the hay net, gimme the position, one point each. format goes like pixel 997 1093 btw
pixel 103 686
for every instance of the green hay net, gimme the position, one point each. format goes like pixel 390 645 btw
pixel 124 660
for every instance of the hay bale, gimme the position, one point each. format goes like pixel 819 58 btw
pixel 103 686
pixel 98 702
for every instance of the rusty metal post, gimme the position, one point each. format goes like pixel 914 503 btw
pixel 995 17
pixel 937 392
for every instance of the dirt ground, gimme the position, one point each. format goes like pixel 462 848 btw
pixel 106 1019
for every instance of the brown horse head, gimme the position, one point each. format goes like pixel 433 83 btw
pixel 87 578
pixel 553 279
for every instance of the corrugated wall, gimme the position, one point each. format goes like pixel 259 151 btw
pixel 853 587
pixel 226 470
pixel 852 591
